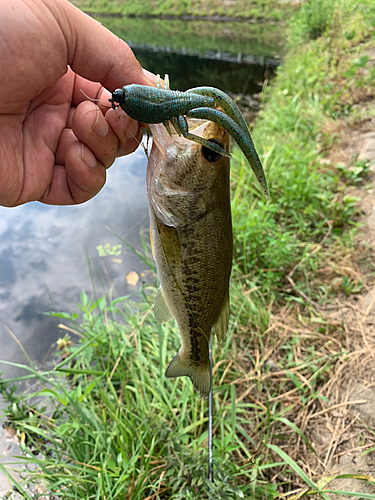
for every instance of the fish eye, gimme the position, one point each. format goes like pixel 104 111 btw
pixel 209 154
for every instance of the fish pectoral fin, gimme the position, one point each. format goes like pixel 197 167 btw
pixel 200 375
pixel 161 310
pixel 221 326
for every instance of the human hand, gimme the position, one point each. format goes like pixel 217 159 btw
pixel 55 145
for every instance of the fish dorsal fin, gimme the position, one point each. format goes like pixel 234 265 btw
pixel 161 309
pixel 221 326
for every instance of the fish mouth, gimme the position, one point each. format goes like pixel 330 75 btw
pixel 208 130
pixel 209 154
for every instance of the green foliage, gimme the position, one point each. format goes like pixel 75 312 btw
pixel 108 249
pixel 312 20
pixel 359 62
pixel 356 174
pixel 311 87
pixel 199 36
pixel 349 35
pixel 109 424
pixel 113 422
pixel 263 9
pixel 271 237
pixel 105 422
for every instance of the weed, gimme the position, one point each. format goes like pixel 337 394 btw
pixel 312 21
pixel 117 391
pixel 263 9
pixel 108 249
pixel 110 424
pixel 357 173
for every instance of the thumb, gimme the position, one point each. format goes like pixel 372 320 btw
pixel 95 53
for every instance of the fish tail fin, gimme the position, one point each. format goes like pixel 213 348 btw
pixel 200 375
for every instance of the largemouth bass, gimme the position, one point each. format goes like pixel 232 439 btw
pixel 189 202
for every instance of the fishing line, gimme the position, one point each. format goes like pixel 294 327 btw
pixel 102 102
pixel 210 464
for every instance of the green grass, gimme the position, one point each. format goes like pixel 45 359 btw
pixel 313 20
pixel 263 39
pixel 116 427
pixel 259 9
pixel 110 425
pixel 313 86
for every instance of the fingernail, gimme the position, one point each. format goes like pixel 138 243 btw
pixel 150 76
pixel 88 157
pixel 100 126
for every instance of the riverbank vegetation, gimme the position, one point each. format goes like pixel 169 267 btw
pixel 110 425
pixel 242 9
pixel 263 39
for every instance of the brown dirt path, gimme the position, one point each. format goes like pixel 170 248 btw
pixel 342 439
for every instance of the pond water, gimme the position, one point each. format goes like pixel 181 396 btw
pixel 48 254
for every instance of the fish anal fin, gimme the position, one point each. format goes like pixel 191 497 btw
pixel 200 375
pixel 161 310
pixel 221 326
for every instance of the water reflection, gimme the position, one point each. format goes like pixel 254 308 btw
pixel 44 256
pixel 176 35
pixel 186 71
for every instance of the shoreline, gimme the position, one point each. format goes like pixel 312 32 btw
pixel 183 17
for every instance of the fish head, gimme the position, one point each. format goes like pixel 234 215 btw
pixel 187 163
pixel 183 174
